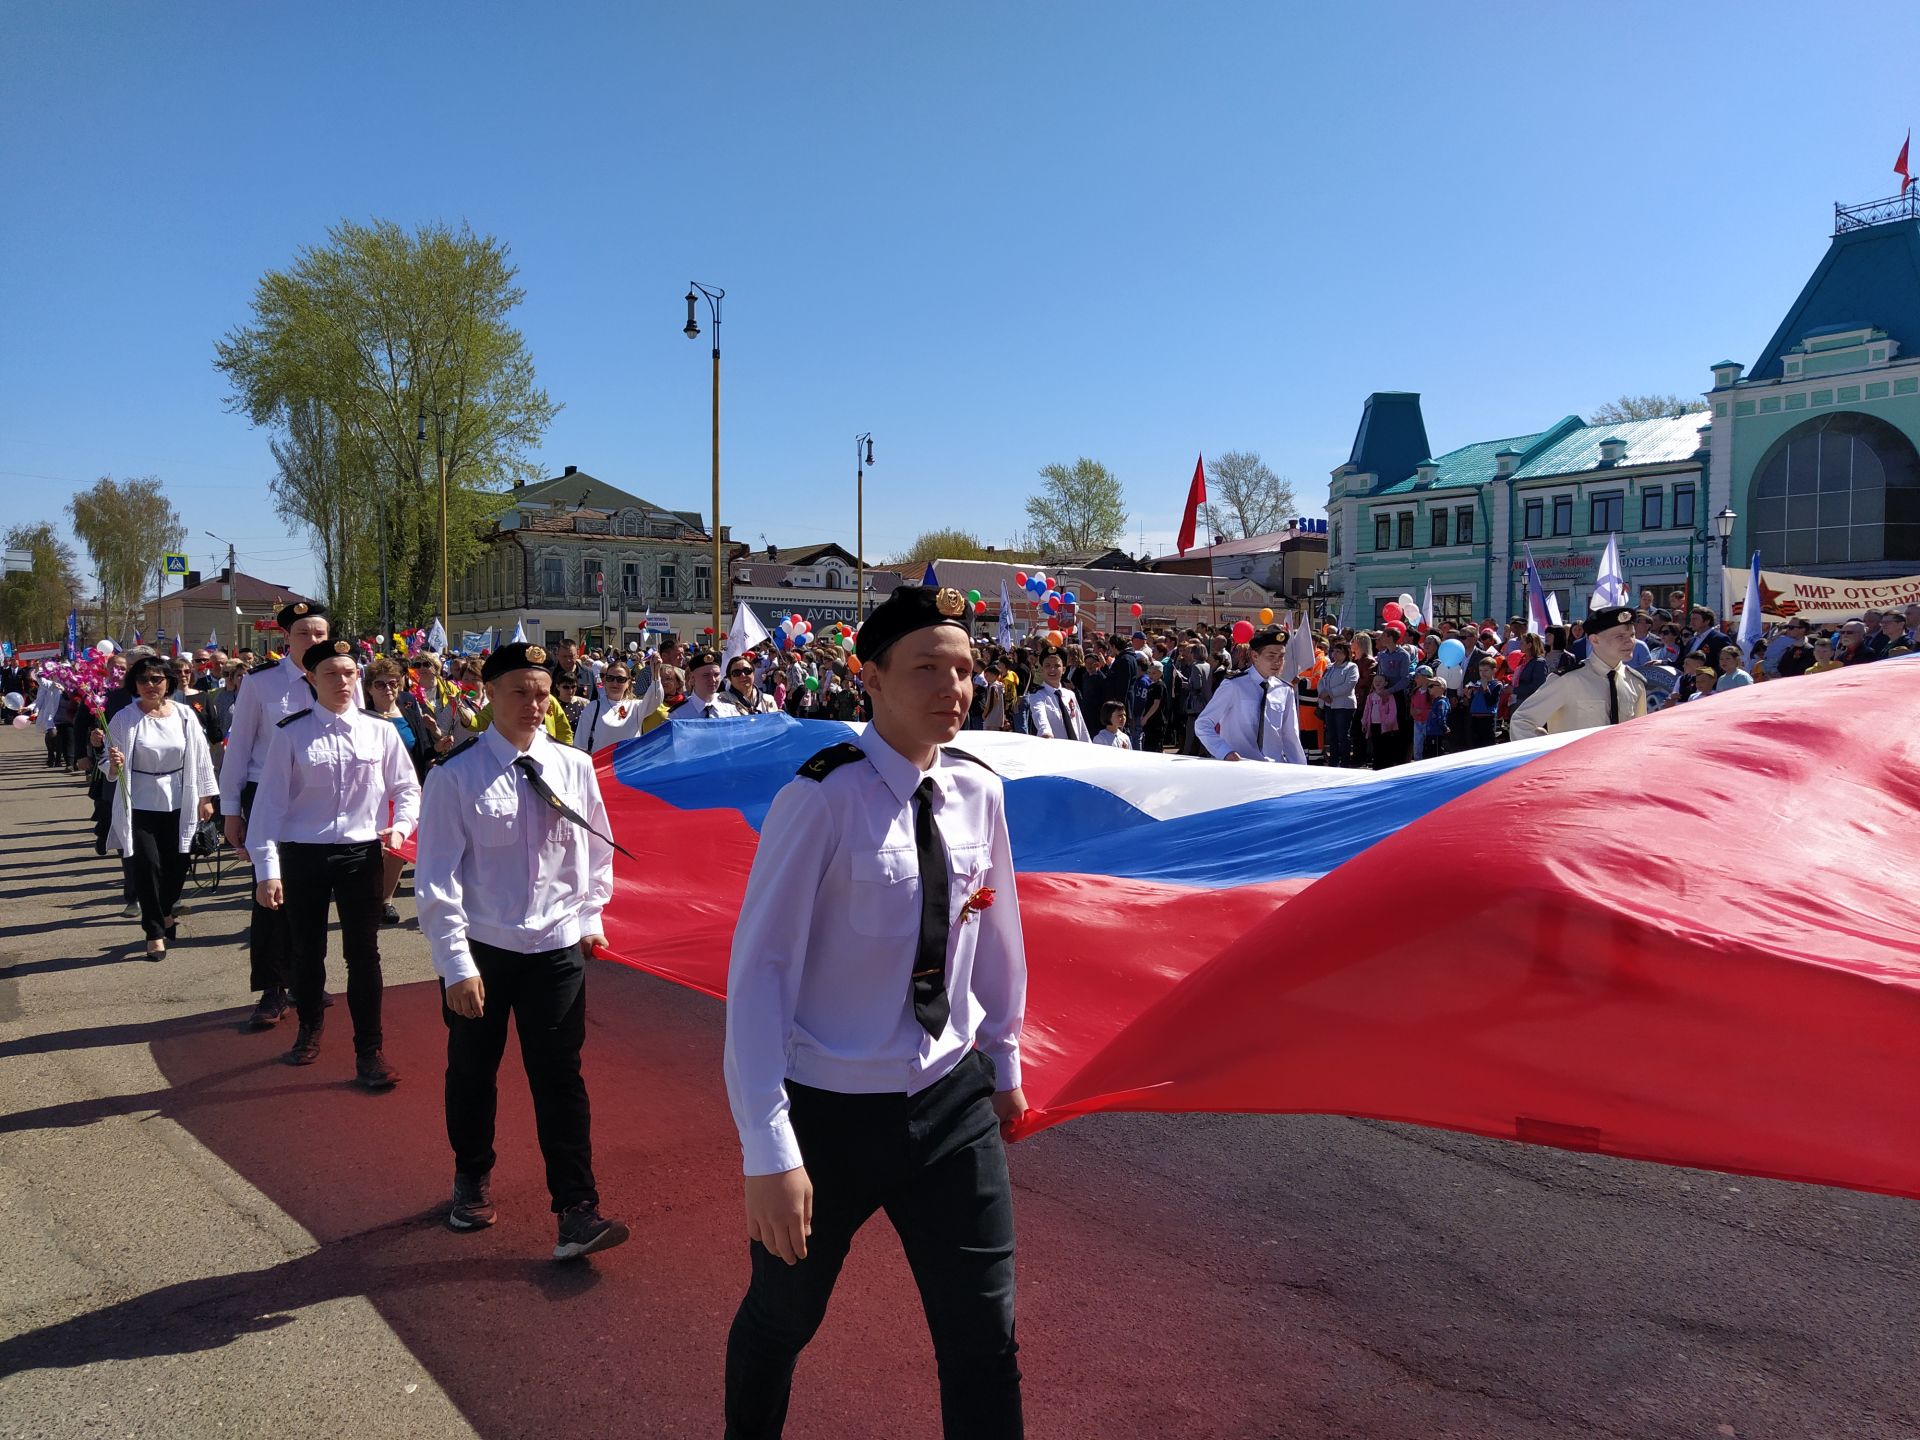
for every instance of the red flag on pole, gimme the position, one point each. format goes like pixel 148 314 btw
pixel 1900 165
pixel 1196 497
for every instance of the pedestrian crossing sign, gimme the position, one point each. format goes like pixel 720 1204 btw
pixel 174 564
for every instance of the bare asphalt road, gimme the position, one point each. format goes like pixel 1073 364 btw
pixel 199 1241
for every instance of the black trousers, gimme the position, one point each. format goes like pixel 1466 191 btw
pixel 1482 730
pixel 936 1164
pixel 546 994
pixel 155 868
pixel 270 960
pixel 351 878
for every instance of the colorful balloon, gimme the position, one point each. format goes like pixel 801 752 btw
pixel 1020 578
pixel 1242 631
pixel 1391 611
pixel 1068 596
pixel 979 607
pixel 1136 611
pixel 1452 652
pixel 973 597
pixel 1266 617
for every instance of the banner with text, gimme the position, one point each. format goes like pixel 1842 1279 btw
pixel 1785 596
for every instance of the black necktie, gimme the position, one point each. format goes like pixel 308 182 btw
pixel 524 764
pixel 1260 720
pixel 930 954
pixel 1613 697
pixel 1066 715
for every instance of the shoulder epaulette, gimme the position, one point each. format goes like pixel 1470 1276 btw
pixel 830 760
pixel 282 724
pixel 957 753
pixel 264 665
pixel 461 748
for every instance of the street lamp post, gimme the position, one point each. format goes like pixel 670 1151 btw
pixel 1723 527
pixel 862 457
pixel 1320 593
pixel 226 592
pixel 714 296
pixel 440 458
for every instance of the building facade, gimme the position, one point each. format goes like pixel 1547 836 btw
pixel 569 556
pixel 1809 458
pixel 1464 521
pixel 819 583
pixel 1282 562
pixel 1816 443
pixel 236 607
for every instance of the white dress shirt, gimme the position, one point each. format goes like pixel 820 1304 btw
pixel 328 780
pixel 1056 714
pixel 266 698
pixel 498 865
pixel 1236 722
pixel 819 988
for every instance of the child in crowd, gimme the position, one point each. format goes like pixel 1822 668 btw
pixel 1113 726
pixel 1380 717
pixel 1823 660
pixel 1419 705
pixel 1483 703
pixel 1439 713
pixel 1703 682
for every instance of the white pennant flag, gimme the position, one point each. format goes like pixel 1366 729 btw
pixel 437 637
pixel 1426 603
pixel 1003 636
pixel 519 633
pixel 1610 585
pixel 747 632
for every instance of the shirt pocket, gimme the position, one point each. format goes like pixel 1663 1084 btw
pixel 496 820
pixel 968 865
pixel 884 894
pixel 560 830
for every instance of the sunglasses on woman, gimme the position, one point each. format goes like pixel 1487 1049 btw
pixel 736 674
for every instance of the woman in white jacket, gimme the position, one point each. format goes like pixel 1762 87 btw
pixel 615 713
pixel 162 770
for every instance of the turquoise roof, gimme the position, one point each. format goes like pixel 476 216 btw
pixel 1473 465
pixel 1869 276
pixel 1649 442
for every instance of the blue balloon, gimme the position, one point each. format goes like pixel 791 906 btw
pixel 1067 597
pixel 1452 652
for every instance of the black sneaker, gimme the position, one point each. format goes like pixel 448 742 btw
pixel 306 1046
pixel 372 1072
pixel 472 1207
pixel 270 1011
pixel 583 1231
pixel 389 915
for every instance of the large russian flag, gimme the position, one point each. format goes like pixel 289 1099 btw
pixel 1688 939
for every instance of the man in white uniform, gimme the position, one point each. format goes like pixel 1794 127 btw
pixel 270 693
pixel 1056 711
pixel 1255 716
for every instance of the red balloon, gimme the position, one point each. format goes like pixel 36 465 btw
pixel 1242 631
pixel 1516 659
pixel 1020 577
pixel 1423 627
pixel 979 607
pixel 1390 611
pixel 1396 629
pixel 1134 610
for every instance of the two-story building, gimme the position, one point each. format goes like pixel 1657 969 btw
pixel 1465 520
pixel 1282 562
pixel 566 551
pixel 1808 458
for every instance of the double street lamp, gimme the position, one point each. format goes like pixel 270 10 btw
pixel 714 296
pixel 862 457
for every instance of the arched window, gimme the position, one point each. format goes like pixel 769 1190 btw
pixel 630 522
pixel 833 579
pixel 1840 490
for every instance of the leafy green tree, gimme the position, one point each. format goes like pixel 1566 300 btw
pixel 946 545
pixel 1079 507
pixel 377 326
pixel 1645 407
pixel 127 526
pixel 34 603
pixel 324 487
pixel 1245 497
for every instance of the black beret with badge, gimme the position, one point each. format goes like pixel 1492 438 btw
pixel 1607 617
pixel 700 659
pixel 300 610
pixel 326 650
pixel 909 608
pixel 1272 635
pixel 509 658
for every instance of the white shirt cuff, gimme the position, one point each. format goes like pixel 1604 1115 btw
pixel 773 1151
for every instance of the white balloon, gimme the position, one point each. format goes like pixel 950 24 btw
pixel 1406 600
pixel 105 647
pixel 1410 613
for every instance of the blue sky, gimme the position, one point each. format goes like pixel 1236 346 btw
pixel 995 235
